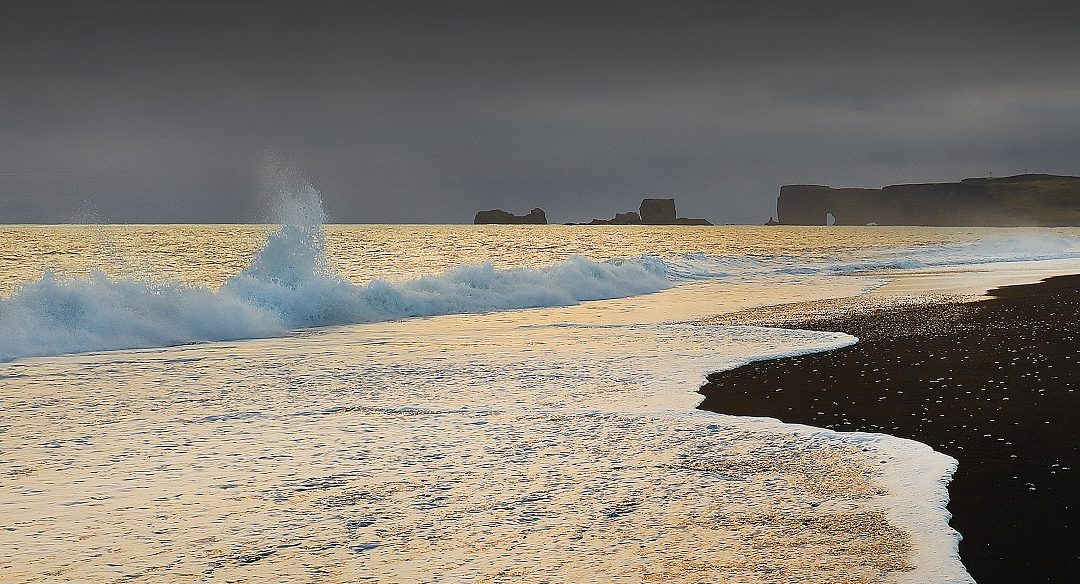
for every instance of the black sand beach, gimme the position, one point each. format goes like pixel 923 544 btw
pixel 992 383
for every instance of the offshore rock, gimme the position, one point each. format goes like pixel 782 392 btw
pixel 662 212
pixel 630 218
pixel 500 217
pixel 691 221
pixel 657 211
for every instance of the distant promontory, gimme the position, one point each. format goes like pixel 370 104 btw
pixel 1027 200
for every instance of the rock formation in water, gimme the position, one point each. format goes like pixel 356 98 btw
pixel 662 212
pixel 630 218
pixel 498 216
pixel 1023 200
pixel 692 221
pixel 657 211
pixel 652 212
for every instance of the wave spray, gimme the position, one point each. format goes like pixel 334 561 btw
pixel 288 285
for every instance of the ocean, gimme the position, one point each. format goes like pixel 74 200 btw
pixel 317 402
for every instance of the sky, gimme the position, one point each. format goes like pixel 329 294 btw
pixel 425 112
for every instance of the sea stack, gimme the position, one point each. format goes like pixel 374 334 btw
pixel 662 212
pixel 629 218
pixel 500 217
pixel 657 211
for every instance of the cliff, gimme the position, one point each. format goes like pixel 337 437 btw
pixel 657 211
pixel 498 216
pixel 1023 200
pixel 630 218
pixel 662 212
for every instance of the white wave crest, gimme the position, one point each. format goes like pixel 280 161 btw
pixel 288 285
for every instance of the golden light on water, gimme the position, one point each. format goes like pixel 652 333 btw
pixel 208 254
pixel 550 444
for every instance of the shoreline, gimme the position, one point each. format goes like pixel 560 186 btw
pixel 987 381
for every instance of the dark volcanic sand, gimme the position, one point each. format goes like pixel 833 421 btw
pixel 991 383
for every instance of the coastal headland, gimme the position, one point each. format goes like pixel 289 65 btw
pixel 991 382
pixel 1027 200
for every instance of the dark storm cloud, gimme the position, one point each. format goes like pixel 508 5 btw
pixel 159 111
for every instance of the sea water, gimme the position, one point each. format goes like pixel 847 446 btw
pixel 445 403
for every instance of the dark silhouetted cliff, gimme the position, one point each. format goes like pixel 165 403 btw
pixel 651 212
pixel 657 211
pixel 1024 200
pixel 498 216
pixel 662 212
pixel 630 218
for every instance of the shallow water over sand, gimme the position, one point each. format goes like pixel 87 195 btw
pixel 552 444
pixel 461 448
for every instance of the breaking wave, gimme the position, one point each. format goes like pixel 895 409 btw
pixel 288 285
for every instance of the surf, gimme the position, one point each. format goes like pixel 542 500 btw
pixel 288 285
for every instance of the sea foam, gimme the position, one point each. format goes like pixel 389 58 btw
pixel 288 285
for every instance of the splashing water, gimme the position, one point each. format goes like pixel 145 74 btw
pixel 296 252
pixel 288 285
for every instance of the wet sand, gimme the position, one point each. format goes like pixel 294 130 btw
pixel 990 382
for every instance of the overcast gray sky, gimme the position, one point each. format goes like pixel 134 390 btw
pixel 159 111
